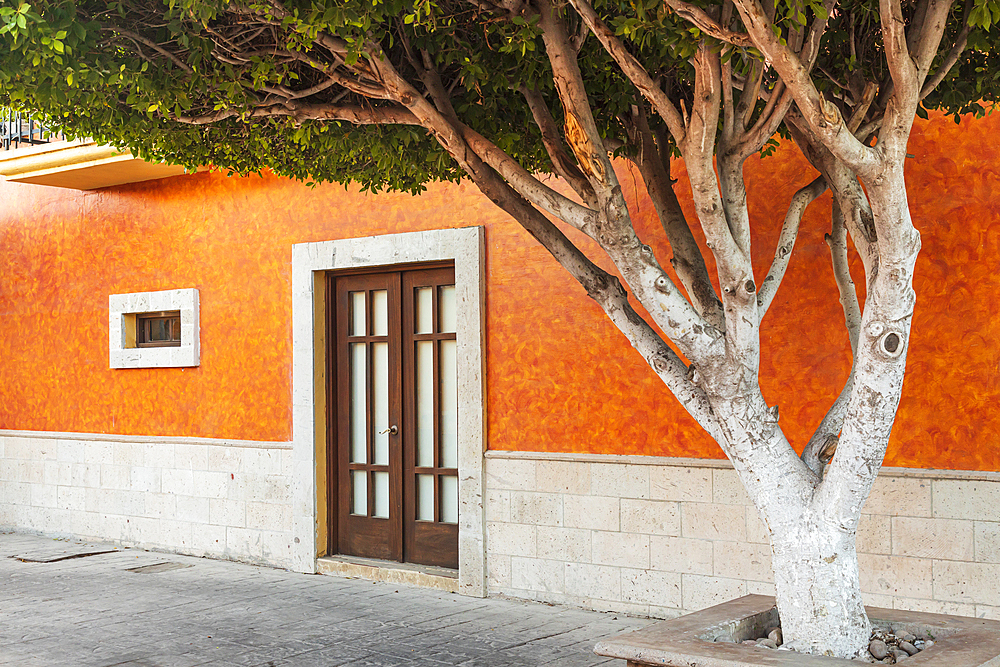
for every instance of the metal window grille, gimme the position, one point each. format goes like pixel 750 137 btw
pixel 18 130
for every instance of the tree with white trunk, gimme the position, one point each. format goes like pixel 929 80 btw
pixel 505 93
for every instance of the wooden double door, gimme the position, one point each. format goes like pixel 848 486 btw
pixel 394 416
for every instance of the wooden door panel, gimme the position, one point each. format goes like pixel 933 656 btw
pixel 368 401
pixel 364 536
pixel 431 542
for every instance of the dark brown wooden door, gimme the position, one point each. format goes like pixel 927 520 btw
pixel 430 423
pixel 395 403
pixel 369 457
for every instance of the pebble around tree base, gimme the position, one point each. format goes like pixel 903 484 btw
pixel 888 648
pixel 885 647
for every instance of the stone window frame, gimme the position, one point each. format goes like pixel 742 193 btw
pixel 310 264
pixel 122 311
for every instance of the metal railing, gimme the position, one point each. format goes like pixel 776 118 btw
pixel 19 130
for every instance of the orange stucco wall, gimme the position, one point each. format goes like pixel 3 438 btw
pixel 560 377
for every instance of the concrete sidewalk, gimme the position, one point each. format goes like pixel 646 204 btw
pixel 96 610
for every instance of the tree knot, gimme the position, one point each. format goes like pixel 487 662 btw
pixel 888 340
pixel 891 344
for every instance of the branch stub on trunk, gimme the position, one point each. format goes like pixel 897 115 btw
pixel 578 140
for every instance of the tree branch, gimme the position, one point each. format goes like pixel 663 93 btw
pixel 862 106
pixel 931 34
pixel 822 116
pixel 529 187
pixel 609 294
pixel 897 55
pixel 697 17
pixel 750 94
pixel 729 129
pixel 151 44
pixel 432 82
pixel 351 113
pixel 817 452
pixel 631 68
pixel 689 263
pixel 561 160
pixel 916 26
pixel 953 55
pixel 837 240
pixel 765 127
pixel 786 242
pixel 581 130
pixel 846 189
pixel 634 260
pixel 733 264
pixel 290 94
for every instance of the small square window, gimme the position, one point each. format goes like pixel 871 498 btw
pixel 154 329
pixel 161 329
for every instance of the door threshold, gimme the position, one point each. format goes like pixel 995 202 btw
pixel 411 574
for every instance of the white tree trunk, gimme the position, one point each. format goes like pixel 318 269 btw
pixel 818 590
pixel 815 557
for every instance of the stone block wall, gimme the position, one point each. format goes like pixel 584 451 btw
pixel 640 535
pixel 223 499
pixel 662 537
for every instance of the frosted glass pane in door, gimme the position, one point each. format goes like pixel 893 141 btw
pixel 424 307
pixel 449 499
pixel 359 492
pixel 380 313
pixel 425 497
pixel 357 314
pixel 446 309
pixel 381 495
pixel 380 401
pixel 449 404
pixel 359 404
pixel 425 403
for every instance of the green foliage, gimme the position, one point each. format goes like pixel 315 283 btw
pixel 124 72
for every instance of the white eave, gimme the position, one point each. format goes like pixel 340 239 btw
pixel 82 164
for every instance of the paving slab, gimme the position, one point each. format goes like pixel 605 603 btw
pixel 96 610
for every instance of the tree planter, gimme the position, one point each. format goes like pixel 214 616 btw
pixel 959 641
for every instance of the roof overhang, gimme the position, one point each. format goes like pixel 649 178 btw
pixel 82 164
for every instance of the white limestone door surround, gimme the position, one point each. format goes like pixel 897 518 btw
pixel 310 262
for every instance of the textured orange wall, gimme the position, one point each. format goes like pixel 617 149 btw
pixel 560 377
pixel 62 253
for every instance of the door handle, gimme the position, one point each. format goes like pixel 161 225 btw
pixel 392 430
